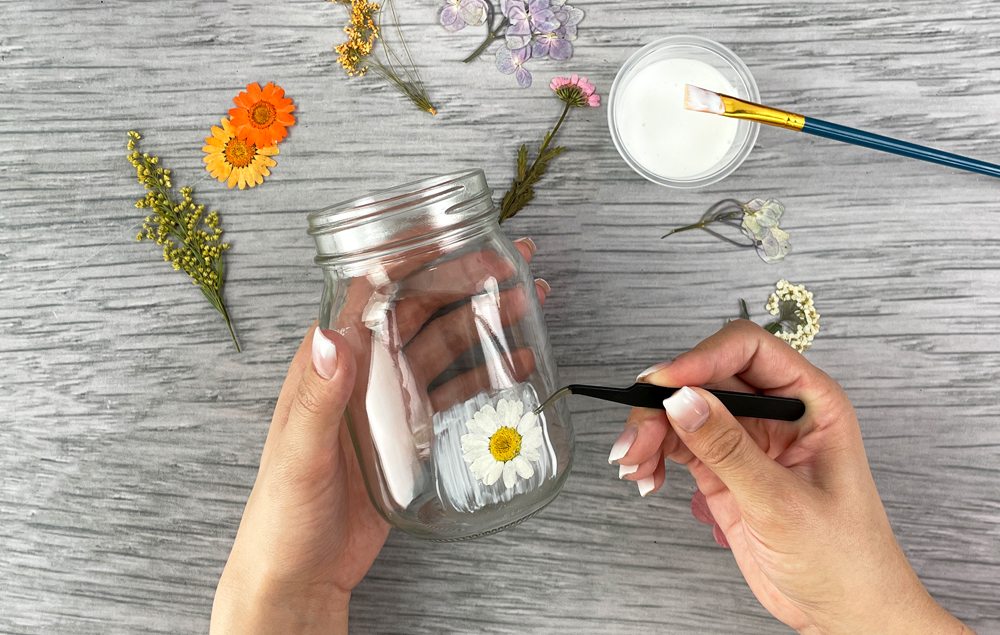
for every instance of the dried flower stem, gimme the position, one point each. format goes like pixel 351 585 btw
pixel 716 214
pixel 521 191
pixel 178 228
pixel 491 33
pixel 575 92
pixel 357 54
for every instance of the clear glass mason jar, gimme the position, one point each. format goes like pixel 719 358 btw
pixel 443 318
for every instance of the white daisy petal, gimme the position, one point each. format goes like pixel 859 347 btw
pixel 526 422
pixel 487 422
pixel 524 469
pixel 530 454
pixel 514 413
pixel 470 441
pixel 474 427
pixel 472 455
pixel 483 464
pixel 502 406
pixel 509 474
pixel 480 428
pixel 494 473
pixel 532 438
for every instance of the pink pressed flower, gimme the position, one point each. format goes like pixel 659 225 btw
pixel 558 82
pixel 575 91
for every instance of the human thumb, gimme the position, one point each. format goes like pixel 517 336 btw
pixel 324 388
pixel 724 446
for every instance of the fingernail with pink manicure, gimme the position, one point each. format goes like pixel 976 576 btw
pixel 687 409
pixel 324 355
pixel 527 242
pixel 653 369
pixel 646 485
pixel 624 442
pixel 625 470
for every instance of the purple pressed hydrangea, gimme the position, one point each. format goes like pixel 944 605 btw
pixel 530 28
pixel 457 14
pixel 546 28
pixel 511 62
pixel 552 45
pixel 528 21
pixel 519 32
pixel 568 17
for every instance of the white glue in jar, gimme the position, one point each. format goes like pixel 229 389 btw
pixel 652 130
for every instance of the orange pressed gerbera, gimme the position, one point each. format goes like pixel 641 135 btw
pixel 235 160
pixel 262 115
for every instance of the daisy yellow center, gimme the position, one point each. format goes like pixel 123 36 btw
pixel 262 114
pixel 239 153
pixel 505 444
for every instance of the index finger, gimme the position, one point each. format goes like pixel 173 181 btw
pixel 745 350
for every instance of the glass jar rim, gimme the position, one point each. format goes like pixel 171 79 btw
pixel 401 217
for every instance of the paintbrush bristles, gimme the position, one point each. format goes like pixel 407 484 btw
pixel 701 100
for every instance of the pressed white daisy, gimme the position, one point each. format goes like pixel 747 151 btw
pixel 502 442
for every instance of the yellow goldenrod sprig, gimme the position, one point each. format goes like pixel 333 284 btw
pixel 191 241
pixel 357 54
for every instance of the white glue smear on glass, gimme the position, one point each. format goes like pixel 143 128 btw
pixel 458 489
pixel 660 134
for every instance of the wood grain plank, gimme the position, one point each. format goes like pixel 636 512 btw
pixel 131 431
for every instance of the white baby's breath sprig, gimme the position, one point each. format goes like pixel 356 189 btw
pixel 795 310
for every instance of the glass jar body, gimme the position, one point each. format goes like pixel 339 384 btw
pixel 452 355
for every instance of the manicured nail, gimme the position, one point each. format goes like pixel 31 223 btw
pixel 687 409
pixel 624 442
pixel 646 485
pixel 527 242
pixel 625 470
pixel 324 355
pixel 653 369
pixel 543 284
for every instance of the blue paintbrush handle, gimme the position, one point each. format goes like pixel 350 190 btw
pixel 878 142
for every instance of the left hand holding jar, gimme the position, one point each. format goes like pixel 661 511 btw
pixel 309 532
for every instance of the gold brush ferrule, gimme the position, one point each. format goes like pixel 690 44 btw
pixel 739 109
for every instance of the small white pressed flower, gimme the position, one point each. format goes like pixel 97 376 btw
pixel 760 214
pixel 760 224
pixel 502 442
pixel 794 307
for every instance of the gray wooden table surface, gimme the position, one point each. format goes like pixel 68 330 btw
pixel 130 430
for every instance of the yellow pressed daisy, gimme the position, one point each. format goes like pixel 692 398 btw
pixel 234 160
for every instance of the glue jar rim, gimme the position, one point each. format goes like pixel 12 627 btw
pixel 723 59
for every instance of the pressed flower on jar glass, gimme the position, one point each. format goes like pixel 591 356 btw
pixel 502 442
